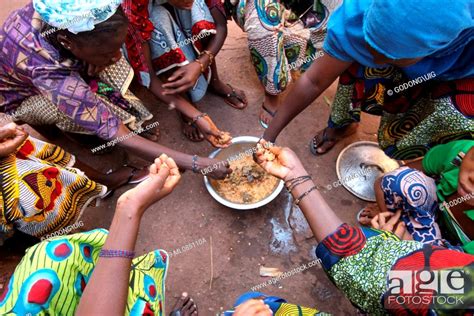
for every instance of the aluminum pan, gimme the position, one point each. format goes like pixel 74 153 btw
pixel 239 145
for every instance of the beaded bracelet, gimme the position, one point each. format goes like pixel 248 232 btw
pixel 200 64
pixel 298 200
pixel 111 253
pixel 194 166
pixel 208 53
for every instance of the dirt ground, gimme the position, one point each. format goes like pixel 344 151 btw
pixel 240 241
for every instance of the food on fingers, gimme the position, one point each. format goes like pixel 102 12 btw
pixel 248 183
pixel 224 138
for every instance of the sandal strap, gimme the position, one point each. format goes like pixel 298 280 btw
pixel 234 94
pixel 132 173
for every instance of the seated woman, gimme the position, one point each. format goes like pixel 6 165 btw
pixel 428 191
pixel 45 71
pixel 283 37
pixel 172 47
pixel 362 261
pixel 419 81
pixel 52 277
pixel 41 190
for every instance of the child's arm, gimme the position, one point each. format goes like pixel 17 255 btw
pixel 185 77
pixel 318 78
pixel 217 41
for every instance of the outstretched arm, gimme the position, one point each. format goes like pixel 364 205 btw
pixel 284 164
pixel 322 73
pixel 107 290
pixel 149 150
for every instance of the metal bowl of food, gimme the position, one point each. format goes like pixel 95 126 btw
pixel 359 165
pixel 249 186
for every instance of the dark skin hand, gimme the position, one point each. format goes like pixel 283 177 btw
pixel 149 150
pixel 99 57
pixel 107 290
pixel 185 77
pixel 205 125
pixel 11 137
pixel 284 164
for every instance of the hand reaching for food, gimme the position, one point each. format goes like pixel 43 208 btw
pixel 12 136
pixel 280 162
pixel 213 135
pixel 214 168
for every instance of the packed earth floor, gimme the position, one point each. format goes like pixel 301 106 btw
pixel 240 241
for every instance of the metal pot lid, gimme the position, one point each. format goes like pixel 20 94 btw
pixel 359 165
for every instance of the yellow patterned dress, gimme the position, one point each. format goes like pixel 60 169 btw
pixel 40 191
pixel 52 275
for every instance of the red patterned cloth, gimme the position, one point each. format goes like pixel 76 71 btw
pixel 139 31
pixel 346 241
pixel 461 93
pixel 431 259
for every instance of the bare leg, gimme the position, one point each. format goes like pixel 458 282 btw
pixel 190 131
pixel 270 103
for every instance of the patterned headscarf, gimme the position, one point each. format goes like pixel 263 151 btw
pixel 76 15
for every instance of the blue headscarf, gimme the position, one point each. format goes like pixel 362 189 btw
pixel 75 15
pixel 440 31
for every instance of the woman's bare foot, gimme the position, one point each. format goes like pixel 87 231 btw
pixel 184 306
pixel 191 131
pixel 326 138
pixel 368 213
pixel 268 110
pixel 236 98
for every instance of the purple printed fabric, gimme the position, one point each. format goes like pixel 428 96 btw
pixel 30 66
